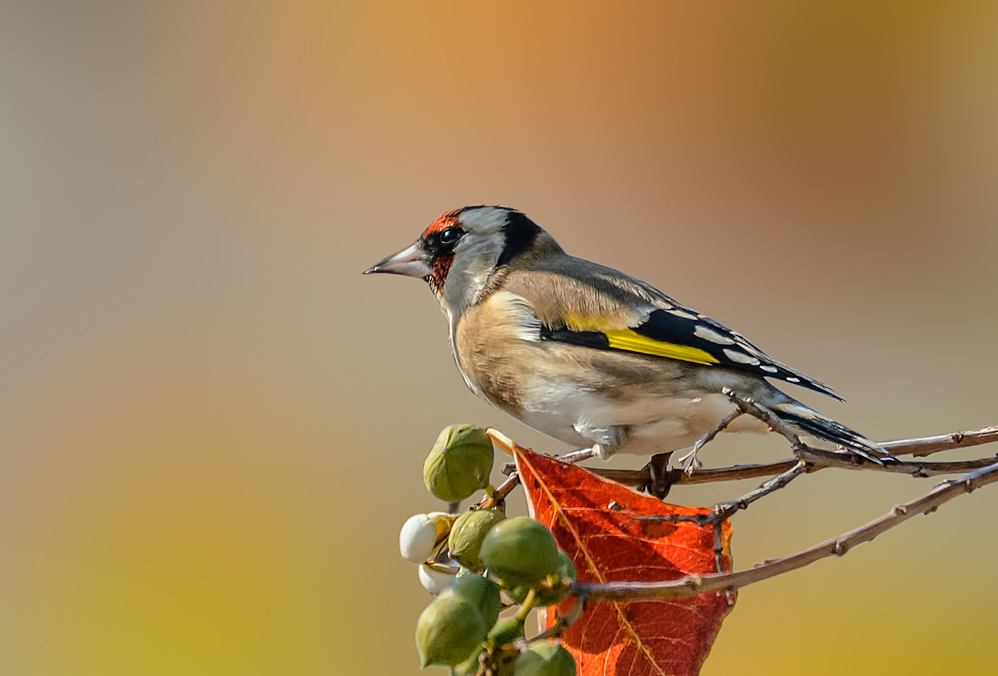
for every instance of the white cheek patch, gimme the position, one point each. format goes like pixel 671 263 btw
pixel 474 261
pixel 517 314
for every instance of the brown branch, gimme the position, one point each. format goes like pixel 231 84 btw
pixel 637 477
pixel 565 621
pixel 919 447
pixel 759 411
pixel 725 510
pixel 695 585
pixel 924 446
pixel 809 460
pixel 819 459
pixel 719 546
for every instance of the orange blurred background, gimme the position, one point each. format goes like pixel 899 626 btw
pixel 211 426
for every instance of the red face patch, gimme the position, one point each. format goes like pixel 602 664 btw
pixel 442 261
pixel 441 266
pixel 445 221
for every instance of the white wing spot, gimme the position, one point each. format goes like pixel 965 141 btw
pixel 712 335
pixel 793 379
pixel 741 357
pixel 769 369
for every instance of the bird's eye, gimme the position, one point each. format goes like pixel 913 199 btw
pixel 450 235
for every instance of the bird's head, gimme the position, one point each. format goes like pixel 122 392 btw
pixel 462 249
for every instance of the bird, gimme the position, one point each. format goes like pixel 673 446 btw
pixel 591 356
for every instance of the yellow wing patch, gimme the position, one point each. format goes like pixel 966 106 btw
pixel 632 341
pixel 578 321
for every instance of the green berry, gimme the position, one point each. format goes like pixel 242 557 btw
pixel 459 464
pixel 545 659
pixel 448 632
pixel 549 594
pixel 505 661
pixel 467 533
pixel 480 592
pixel 520 552
pixel 506 631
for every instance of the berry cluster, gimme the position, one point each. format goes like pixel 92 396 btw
pixel 478 564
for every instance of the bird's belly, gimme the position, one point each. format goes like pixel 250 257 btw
pixel 635 423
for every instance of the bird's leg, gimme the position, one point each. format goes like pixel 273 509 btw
pixel 690 461
pixel 659 476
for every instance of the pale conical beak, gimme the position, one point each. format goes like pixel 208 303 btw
pixel 411 262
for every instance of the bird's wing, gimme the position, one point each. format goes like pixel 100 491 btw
pixel 585 304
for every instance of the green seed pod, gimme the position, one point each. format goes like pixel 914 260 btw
pixel 506 631
pixel 467 533
pixel 545 659
pixel 505 661
pixel 459 464
pixel 480 592
pixel 470 666
pixel 550 594
pixel 448 632
pixel 501 661
pixel 520 552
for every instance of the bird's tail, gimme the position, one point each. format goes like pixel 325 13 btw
pixel 811 422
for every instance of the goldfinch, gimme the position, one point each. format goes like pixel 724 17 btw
pixel 589 355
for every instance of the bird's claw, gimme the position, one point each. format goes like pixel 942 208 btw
pixel 690 462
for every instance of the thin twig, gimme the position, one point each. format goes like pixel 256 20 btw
pixel 637 477
pixel 506 487
pixel 565 621
pixel 719 546
pixel 576 456
pixel 759 411
pixel 919 447
pixel 809 460
pixel 693 463
pixel 507 445
pixel 725 510
pixel 924 446
pixel 695 585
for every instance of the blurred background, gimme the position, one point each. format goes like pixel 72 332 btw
pixel 211 426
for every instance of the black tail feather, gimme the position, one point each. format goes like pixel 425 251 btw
pixel 811 422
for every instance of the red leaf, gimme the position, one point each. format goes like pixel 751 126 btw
pixel 639 638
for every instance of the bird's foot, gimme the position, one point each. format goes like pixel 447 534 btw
pixel 690 461
pixel 659 476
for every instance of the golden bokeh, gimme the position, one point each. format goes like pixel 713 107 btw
pixel 212 427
